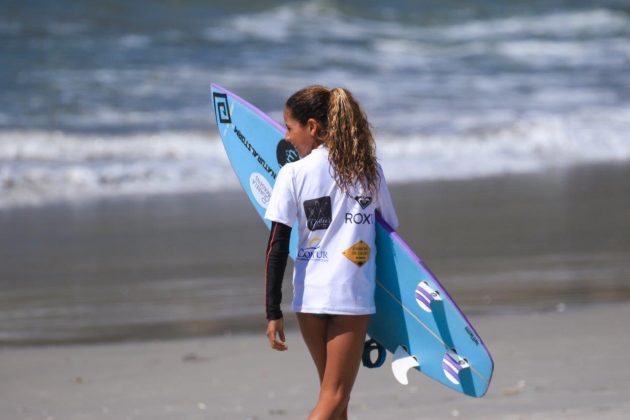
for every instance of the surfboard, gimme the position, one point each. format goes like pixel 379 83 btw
pixel 416 319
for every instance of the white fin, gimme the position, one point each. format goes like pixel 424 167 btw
pixel 402 363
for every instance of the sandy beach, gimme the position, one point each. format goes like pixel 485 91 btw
pixel 549 365
pixel 151 307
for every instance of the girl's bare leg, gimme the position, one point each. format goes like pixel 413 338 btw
pixel 339 353
pixel 314 333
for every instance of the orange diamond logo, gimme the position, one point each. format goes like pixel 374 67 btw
pixel 358 253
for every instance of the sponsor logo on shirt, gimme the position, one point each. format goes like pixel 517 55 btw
pixel 254 153
pixel 261 189
pixel 318 213
pixel 286 153
pixel 313 251
pixel 221 107
pixel 358 253
pixel 358 218
pixel 363 200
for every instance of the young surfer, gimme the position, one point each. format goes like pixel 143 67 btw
pixel 332 192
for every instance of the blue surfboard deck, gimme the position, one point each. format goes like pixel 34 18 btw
pixel 413 309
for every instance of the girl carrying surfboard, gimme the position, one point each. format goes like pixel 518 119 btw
pixel 332 193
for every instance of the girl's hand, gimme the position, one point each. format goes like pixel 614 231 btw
pixel 275 330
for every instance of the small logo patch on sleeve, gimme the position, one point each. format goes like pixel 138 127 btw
pixel 358 253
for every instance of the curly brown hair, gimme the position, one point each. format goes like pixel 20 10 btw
pixel 344 129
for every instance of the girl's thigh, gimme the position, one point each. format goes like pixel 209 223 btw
pixel 314 333
pixel 344 345
pixel 335 344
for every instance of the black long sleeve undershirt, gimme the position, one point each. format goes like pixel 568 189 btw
pixel 275 264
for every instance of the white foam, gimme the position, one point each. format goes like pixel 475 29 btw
pixel 587 22
pixel 398 54
pixel 307 19
pixel 534 143
pixel 132 41
pixel 270 26
pixel 566 53
pixel 284 23
pixel 39 167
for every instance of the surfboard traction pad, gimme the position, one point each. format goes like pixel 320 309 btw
pixel 416 319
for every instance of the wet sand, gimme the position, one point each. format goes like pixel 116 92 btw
pixel 183 266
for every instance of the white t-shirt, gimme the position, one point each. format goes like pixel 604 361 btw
pixel 335 268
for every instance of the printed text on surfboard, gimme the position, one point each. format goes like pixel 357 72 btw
pixel 254 153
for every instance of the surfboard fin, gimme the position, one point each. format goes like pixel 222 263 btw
pixel 403 361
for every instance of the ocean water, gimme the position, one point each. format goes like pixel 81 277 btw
pixel 111 98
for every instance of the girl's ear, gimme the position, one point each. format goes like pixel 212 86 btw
pixel 312 127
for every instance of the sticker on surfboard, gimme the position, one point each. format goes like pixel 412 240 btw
pixel 286 153
pixel 261 189
pixel 425 295
pixel 221 107
pixel 452 365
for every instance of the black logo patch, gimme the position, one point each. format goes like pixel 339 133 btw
pixel 221 108
pixel 363 200
pixel 286 153
pixel 318 213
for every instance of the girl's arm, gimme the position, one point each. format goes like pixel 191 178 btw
pixel 275 264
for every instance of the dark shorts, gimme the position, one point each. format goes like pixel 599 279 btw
pixel 323 316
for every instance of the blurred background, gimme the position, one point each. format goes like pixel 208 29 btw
pixel 503 128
